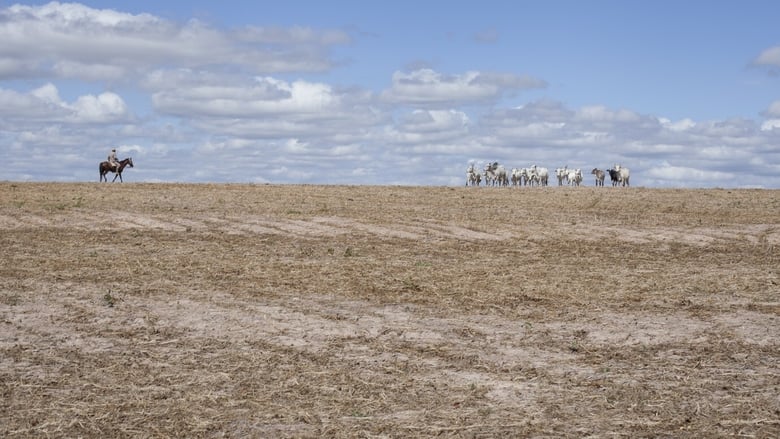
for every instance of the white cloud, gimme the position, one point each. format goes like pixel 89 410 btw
pixel 14 67
pixel 262 107
pixel 296 146
pixel 600 113
pixel 267 96
pixel 532 130
pixel 44 105
pixel 682 173
pixel 89 71
pixel 105 107
pixel 773 111
pixel 426 121
pixel 291 173
pixel 769 57
pixel 771 124
pixel 428 87
pixel 212 146
pixel 72 40
pixel 681 125
pixel 18 105
pixel 48 93
pixel 427 127
pixel 729 129
pixel 214 98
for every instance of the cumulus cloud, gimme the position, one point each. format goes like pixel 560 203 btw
pixel 600 113
pixel 427 121
pixel 212 146
pixel 261 107
pixel 773 111
pixel 667 171
pixel 428 87
pixel 550 123
pixel 95 71
pixel 769 57
pixel 44 104
pixel 217 99
pixel 428 126
pixel 265 96
pixel 771 124
pixel 103 108
pixel 592 136
pixel 679 126
pixel 72 40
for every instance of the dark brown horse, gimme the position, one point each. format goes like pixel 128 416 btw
pixel 105 167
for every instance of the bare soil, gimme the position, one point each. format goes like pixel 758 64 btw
pixel 165 310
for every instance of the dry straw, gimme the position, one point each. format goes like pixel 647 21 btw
pixel 154 310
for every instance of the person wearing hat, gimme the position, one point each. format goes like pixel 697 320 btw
pixel 112 160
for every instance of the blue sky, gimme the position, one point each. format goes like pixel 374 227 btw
pixel 685 94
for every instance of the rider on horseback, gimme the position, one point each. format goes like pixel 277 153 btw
pixel 112 160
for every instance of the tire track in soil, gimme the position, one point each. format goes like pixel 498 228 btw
pixel 426 229
pixel 443 351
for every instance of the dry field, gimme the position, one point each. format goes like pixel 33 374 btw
pixel 166 310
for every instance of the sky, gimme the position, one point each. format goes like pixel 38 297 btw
pixel 686 94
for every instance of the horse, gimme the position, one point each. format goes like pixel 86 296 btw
pixel 105 167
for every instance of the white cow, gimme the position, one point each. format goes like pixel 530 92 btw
pixel 538 176
pixel 472 176
pixel 503 177
pixel 575 177
pixel 623 174
pixel 561 174
pixel 495 174
pixel 533 176
pixel 544 175
pixel 522 176
pixel 489 175
pixel 515 177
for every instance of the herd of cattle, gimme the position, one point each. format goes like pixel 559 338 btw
pixel 496 175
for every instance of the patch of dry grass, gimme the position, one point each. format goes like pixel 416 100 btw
pixel 345 311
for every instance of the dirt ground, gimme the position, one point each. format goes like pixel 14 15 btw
pixel 167 310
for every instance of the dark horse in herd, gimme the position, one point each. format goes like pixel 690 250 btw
pixel 105 168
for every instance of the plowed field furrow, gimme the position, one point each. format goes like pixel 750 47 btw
pixel 330 311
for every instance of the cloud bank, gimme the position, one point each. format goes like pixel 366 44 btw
pixel 191 101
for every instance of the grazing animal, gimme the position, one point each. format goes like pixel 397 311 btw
pixel 516 177
pixel 472 176
pixel 489 174
pixel 105 167
pixel 561 174
pixel 522 176
pixel 623 174
pixel 575 177
pixel 533 176
pixel 599 176
pixel 614 177
pixel 538 176
pixel 495 174
pixel 525 176
pixel 503 178
pixel 545 176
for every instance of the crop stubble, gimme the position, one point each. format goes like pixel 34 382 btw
pixel 356 311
